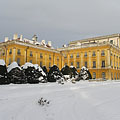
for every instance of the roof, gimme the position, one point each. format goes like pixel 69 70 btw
pixel 96 38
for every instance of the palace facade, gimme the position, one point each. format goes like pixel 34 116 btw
pixel 101 55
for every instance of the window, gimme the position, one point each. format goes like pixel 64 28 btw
pixel 10 52
pixel 86 64
pixel 111 41
pixel 49 57
pixel 115 76
pixel 49 64
pixel 65 56
pixel 93 53
pixel 94 75
pixel 65 63
pixel 103 63
pixel 30 61
pixel 77 56
pixel 71 63
pixel 41 56
pixel 102 53
pixel 85 54
pixel 71 56
pixel 40 63
pixel 78 65
pixel 9 61
pixel 3 53
pixel 18 52
pixel 111 64
pixel 18 61
pixel 112 76
pixel 57 58
pixel 31 53
pixel 94 64
pixel 103 75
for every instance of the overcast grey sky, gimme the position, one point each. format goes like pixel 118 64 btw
pixel 59 21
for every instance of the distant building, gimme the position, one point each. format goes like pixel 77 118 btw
pixel 101 55
pixel 25 50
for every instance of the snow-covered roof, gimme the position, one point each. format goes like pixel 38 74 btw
pixel 13 65
pixel 2 62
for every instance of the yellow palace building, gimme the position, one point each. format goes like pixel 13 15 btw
pixel 101 55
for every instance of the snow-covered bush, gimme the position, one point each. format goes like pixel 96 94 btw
pixel 34 73
pixel 84 74
pixel 55 74
pixel 40 74
pixel 74 72
pixel 66 71
pixel 3 73
pixel 45 70
pixel 43 102
pixel 16 74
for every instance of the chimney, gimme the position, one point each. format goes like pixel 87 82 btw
pixel 34 38
pixel 21 37
pixel 49 43
pixel 6 39
pixel 43 42
pixel 15 36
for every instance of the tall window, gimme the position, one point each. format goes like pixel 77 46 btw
pixel 86 64
pixel 71 63
pixel 40 63
pixel 94 75
pixel 103 63
pixel 49 64
pixel 115 76
pixel 30 61
pixel 9 61
pixel 18 61
pixel 94 64
pixel 78 65
pixel 103 75
pixel 18 52
pixel 85 54
pixel 57 58
pixel 65 56
pixel 41 56
pixel 71 56
pixel 10 52
pixel 77 56
pixel 102 53
pixel 112 76
pixel 31 53
pixel 93 53
pixel 49 57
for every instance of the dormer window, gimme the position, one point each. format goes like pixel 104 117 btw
pixel 111 41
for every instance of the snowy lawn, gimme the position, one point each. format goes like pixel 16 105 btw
pixel 81 101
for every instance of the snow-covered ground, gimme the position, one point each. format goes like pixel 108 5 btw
pixel 81 101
